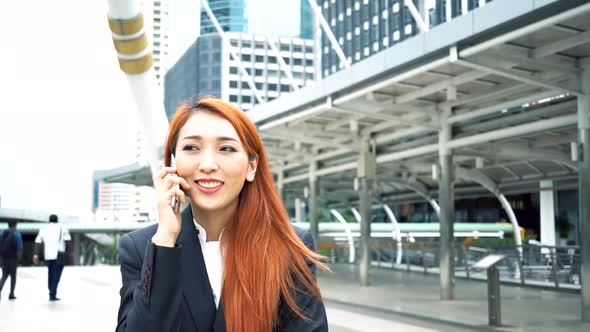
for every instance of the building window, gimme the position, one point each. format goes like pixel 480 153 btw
pixel 258 72
pixel 408 29
pixel 233 84
pixel 233 70
pixel 259 58
pixel 233 98
pixel 259 86
pixel 285 88
pixel 272 59
pixel 272 87
pixel 246 99
pixel 246 57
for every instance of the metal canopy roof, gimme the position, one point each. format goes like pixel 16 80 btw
pixel 511 91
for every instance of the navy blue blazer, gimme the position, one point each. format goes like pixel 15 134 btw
pixel 168 289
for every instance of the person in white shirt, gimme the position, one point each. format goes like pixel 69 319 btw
pixel 56 239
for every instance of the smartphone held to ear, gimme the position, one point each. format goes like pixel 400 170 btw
pixel 175 201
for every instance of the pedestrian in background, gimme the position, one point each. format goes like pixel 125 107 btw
pixel 11 251
pixel 57 250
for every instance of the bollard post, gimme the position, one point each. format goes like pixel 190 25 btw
pixel 494 310
pixel 489 263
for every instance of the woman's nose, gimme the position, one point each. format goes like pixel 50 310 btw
pixel 208 162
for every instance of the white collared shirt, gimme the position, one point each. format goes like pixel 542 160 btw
pixel 213 261
pixel 49 235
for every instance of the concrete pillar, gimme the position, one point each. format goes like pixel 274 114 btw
pixel 447 205
pixel 76 248
pixel 584 192
pixel 298 210
pixel 281 185
pixel 547 207
pixel 366 180
pixel 314 204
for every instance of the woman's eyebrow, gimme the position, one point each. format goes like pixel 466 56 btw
pixel 218 138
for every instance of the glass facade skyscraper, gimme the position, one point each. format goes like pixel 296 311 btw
pixel 306 20
pixel 231 15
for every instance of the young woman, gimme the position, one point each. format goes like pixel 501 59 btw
pixel 231 261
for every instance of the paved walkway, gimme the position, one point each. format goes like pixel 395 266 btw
pixel 417 295
pixel 90 301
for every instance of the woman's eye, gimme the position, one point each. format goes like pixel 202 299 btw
pixel 227 149
pixel 190 148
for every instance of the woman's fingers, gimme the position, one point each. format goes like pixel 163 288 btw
pixel 165 171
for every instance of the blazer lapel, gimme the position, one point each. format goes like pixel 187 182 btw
pixel 195 281
pixel 219 325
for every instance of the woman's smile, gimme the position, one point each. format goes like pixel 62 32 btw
pixel 209 186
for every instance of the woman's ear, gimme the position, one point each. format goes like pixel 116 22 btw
pixel 252 165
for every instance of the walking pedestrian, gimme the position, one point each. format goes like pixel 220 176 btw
pixel 57 250
pixel 11 251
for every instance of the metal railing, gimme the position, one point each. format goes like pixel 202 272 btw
pixel 529 265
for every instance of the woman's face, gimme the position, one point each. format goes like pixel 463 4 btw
pixel 212 159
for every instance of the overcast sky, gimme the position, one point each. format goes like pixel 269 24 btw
pixel 65 109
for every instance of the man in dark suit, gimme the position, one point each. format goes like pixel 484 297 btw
pixel 167 289
pixel 11 250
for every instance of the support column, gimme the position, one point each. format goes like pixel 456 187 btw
pixel 547 207
pixel 584 192
pixel 280 186
pixel 366 179
pixel 314 204
pixel 298 210
pixel 447 205
pixel 76 248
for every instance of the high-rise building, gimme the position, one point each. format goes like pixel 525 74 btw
pixel 231 15
pixel 114 202
pixel 306 20
pixel 171 27
pixel 155 18
pixel 365 27
pixel 208 68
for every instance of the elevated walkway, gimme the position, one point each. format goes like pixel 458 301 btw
pixel 417 295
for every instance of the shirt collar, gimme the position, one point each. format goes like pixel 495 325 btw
pixel 203 233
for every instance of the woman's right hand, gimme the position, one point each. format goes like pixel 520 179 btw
pixel 167 183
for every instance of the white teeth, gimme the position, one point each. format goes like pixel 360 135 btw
pixel 209 184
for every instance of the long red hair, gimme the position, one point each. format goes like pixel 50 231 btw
pixel 264 257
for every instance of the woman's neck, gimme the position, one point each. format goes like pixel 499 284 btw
pixel 213 221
